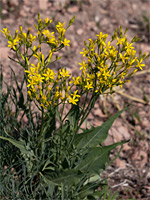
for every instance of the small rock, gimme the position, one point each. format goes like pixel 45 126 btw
pixel 120 163
pixel 109 140
pixel 4 12
pixel 97 18
pixel 43 4
pixel 8 21
pixel 140 155
pixel 134 26
pixel 115 134
pixel 145 122
pixel 73 9
pixel 23 13
pixel 74 43
pixel 104 22
pixel 14 2
pixel 117 123
pixel 27 2
pixel 60 3
pixel 92 26
pixel 124 132
pixel 98 112
pixel 4 53
pixel 26 8
pixel 126 147
pixel 134 6
pixel 80 31
pixel 138 128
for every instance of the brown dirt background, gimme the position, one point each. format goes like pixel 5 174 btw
pixel 129 175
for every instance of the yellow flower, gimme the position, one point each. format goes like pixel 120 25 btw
pixel 29 93
pixel 25 35
pixel 102 36
pixel 60 25
pixel 20 29
pixel 83 65
pixel 139 65
pixel 38 78
pixel 52 40
pixel 13 44
pixel 44 98
pixel 89 85
pixel 31 72
pixel 4 31
pixel 60 28
pixel 32 38
pixel 32 82
pixel 74 99
pixel 46 32
pixel 129 47
pixel 123 57
pixel 119 41
pixel 75 81
pixel 34 48
pixel 49 74
pixel 85 52
pixel 47 20
pixel 65 42
pixel 64 73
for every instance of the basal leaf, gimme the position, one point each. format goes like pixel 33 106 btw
pixel 19 144
pixel 96 159
pixel 95 136
pixel 68 177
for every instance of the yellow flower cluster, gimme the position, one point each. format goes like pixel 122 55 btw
pixel 44 85
pixel 15 42
pixel 108 65
pixel 103 67
pixel 50 88
pixel 43 35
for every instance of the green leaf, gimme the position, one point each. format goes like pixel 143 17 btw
pixel 21 100
pixel 95 136
pixel 89 189
pixel 96 158
pixel 68 177
pixel 19 144
pixel 46 165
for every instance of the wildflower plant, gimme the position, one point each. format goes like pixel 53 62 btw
pixel 55 161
